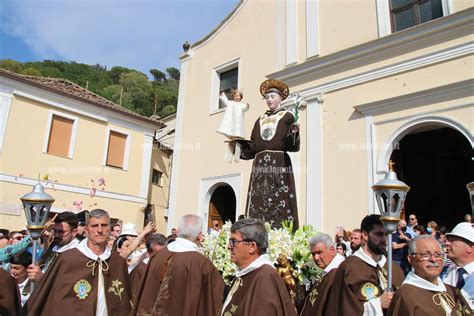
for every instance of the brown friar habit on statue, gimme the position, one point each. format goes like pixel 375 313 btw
pixel 258 292
pixel 9 295
pixel 272 194
pixel 358 284
pixel 179 281
pixel 418 297
pixel 71 285
pixel 317 300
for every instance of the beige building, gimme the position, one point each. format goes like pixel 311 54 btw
pixel 87 151
pixel 383 79
pixel 158 195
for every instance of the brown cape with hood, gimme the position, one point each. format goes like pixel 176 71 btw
pixel 346 296
pixel 179 283
pixel 9 295
pixel 317 299
pixel 261 292
pixel 411 300
pixel 69 287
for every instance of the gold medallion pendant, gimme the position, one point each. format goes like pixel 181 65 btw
pixel 82 289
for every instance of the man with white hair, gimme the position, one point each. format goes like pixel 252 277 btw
pixel 460 249
pixel 423 292
pixel 326 258
pixel 179 279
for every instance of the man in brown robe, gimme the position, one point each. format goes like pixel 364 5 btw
pixel 257 288
pixel 9 295
pixel 64 232
pixel 272 194
pixel 179 279
pixel 87 280
pixel 423 292
pixel 360 283
pixel 325 257
pixel 154 243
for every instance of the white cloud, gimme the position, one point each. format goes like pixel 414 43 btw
pixel 140 34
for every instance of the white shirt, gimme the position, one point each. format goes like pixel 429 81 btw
pixel 334 264
pixel 86 251
pixel 182 245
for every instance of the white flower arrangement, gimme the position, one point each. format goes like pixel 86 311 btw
pixel 280 241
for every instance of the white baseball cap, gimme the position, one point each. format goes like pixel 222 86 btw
pixel 463 230
pixel 129 229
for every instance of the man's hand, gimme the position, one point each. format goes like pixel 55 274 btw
pixel 385 299
pixel 34 273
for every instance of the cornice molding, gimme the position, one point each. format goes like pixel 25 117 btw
pixel 367 52
pixel 439 94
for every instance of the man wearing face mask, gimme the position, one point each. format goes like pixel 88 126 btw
pixel 400 240
pixel 360 283
pixel 271 194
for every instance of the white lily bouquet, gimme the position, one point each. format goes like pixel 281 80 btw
pixel 294 246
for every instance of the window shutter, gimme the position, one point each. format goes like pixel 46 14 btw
pixel 60 136
pixel 116 149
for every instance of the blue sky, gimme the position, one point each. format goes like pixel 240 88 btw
pixel 139 34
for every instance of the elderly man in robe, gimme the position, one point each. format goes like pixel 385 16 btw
pixel 326 258
pixel 423 292
pixel 179 279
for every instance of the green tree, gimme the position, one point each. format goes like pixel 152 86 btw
pixel 116 72
pixel 30 71
pixel 11 65
pixel 158 76
pixel 167 110
pixel 173 72
pixel 113 92
pixel 137 84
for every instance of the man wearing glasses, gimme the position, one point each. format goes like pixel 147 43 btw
pixel 423 292
pixel 257 288
pixel 64 233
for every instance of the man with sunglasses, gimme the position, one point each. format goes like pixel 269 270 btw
pixel 412 222
pixel 423 292
pixel 257 288
pixel 179 279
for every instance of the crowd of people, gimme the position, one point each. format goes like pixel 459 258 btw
pixel 87 266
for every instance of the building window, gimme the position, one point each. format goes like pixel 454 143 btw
pixel 116 149
pixel 228 83
pixel 61 135
pixel 157 177
pixel 224 78
pixel 408 13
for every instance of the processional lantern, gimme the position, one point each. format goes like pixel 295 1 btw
pixel 390 194
pixel 36 204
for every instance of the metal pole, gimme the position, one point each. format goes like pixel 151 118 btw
pixel 33 261
pixel 389 281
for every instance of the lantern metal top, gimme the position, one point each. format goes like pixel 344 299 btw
pixel 391 181
pixel 470 187
pixel 37 195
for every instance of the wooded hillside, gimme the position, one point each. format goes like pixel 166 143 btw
pixel 128 87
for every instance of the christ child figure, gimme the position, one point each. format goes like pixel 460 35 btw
pixel 232 124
